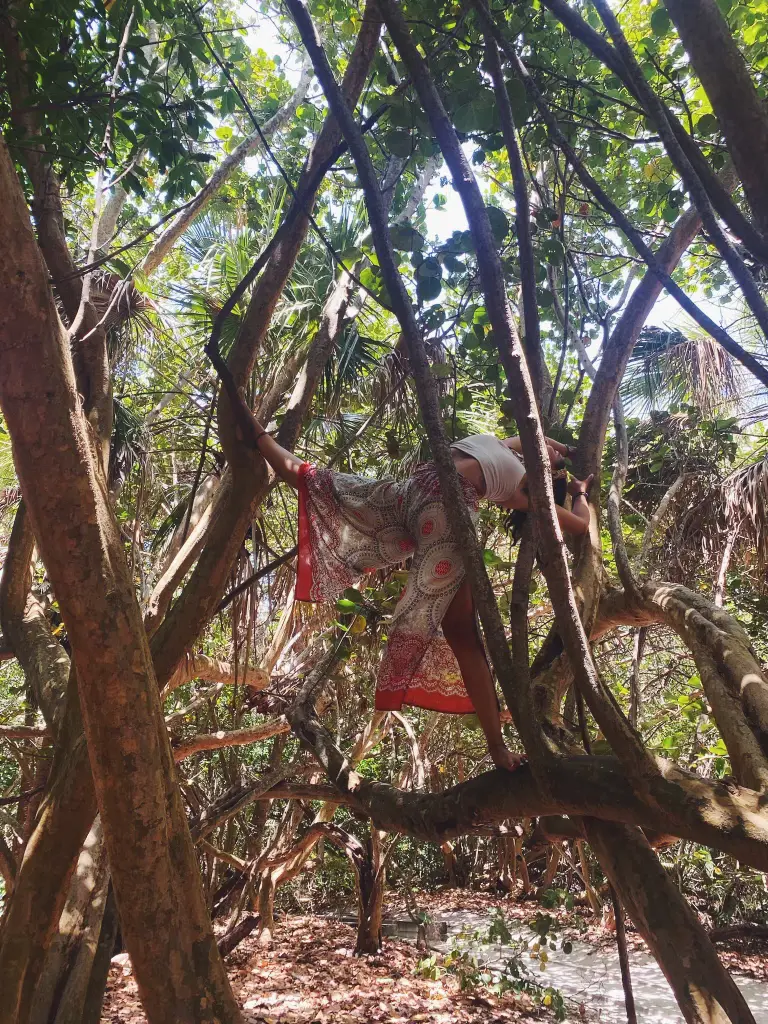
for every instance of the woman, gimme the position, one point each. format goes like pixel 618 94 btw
pixel 349 525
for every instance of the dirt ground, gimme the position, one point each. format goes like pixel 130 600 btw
pixel 310 976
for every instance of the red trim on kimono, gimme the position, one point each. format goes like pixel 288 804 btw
pixel 304 578
pixel 430 700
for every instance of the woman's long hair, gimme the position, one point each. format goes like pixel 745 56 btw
pixel 516 519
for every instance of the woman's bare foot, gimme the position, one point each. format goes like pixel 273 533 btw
pixel 506 759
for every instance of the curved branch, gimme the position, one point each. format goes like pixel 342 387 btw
pixel 27 630
pixel 726 817
pixel 614 498
pixel 731 675
pixel 200 666
pixel 738 268
pixel 718 193
pixel 232 738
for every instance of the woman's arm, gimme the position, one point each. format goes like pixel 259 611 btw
pixel 516 445
pixel 284 463
pixel 252 433
pixel 575 522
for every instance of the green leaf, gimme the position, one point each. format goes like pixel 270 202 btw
pixel 553 251
pixel 343 605
pixel 707 124
pixel 660 21
pixel 490 558
pixel 433 318
pixel 429 267
pixel 442 370
pixel 518 100
pixel 399 142
pixel 406 238
pixel 478 115
pixel 499 222
pixel 429 288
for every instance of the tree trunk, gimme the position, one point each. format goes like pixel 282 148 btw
pixel 704 990
pixel 553 863
pixel 266 907
pixel 723 72
pixel 370 873
pixel 97 983
pixel 165 924
pixel 41 885
pixel 60 993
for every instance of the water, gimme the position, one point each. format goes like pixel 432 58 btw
pixel 591 975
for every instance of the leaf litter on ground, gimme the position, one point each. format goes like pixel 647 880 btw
pixel 310 975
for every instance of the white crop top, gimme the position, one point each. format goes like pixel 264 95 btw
pixel 502 468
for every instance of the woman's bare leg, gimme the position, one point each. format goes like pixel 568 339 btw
pixel 460 630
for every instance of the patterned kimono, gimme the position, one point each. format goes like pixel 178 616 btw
pixel 350 525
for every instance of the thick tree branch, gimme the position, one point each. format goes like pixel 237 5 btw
pixel 200 666
pixel 44 661
pixel 554 565
pixel 532 335
pixel 653 523
pixel 672 930
pixel 723 72
pixel 247 477
pixel 614 498
pixel 741 274
pixel 417 357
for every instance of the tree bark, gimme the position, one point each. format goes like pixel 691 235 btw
pixel 740 225
pixel 731 674
pixel 704 990
pixel 43 660
pixel 62 989
pixel 722 70
pixel 370 875
pixel 728 818
pixel 41 885
pixel 157 885
pixel 97 983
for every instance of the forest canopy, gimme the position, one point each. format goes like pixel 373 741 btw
pixel 398 224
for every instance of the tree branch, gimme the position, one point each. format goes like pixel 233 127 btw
pixel 232 738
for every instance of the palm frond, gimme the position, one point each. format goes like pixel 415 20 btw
pixel 668 368
pixel 130 444
pixel 170 524
pixel 352 357
pixel 745 505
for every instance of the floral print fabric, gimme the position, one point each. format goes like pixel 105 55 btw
pixel 350 525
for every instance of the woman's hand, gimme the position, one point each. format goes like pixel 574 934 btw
pixel 580 486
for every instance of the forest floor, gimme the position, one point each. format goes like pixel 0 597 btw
pixel 310 976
